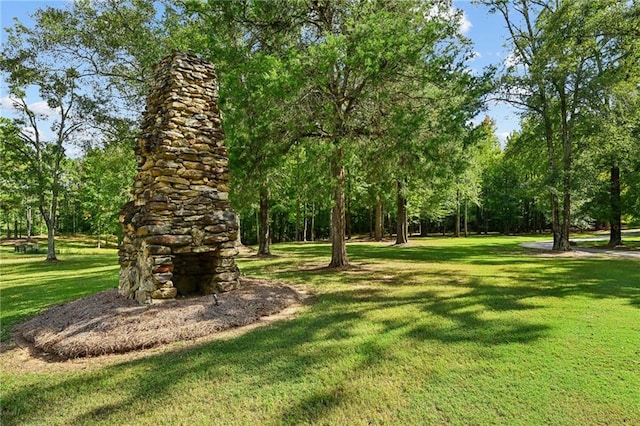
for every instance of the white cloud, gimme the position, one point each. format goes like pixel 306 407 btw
pixel 502 137
pixel 42 108
pixel 6 104
pixel 511 60
pixel 449 13
pixel 464 23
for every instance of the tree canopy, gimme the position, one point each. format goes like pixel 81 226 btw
pixel 341 117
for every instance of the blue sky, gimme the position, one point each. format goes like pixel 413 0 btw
pixel 487 32
pixel 489 35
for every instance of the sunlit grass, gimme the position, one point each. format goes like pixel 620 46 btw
pixel 28 284
pixel 627 243
pixel 443 331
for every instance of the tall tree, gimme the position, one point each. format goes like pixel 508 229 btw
pixel 29 62
pixel 356 53
pixel 105 178
pixel 551 74
pixel 257 65
pixel 16 183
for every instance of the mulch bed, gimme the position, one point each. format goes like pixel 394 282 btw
pixel 107 323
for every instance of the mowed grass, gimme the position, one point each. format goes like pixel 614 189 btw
pixel 444 331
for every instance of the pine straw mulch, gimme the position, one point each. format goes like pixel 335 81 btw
pixel 107 323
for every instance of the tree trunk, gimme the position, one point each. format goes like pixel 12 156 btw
pixel 457 227
pixel 553 167
pixel 305 223
pixel 49 220
pixel 424 228
pixel 566 176
pixel 466 218
pixel 263 232
pixel 281 226
pixel 615 236
pixel 555 222
pixel 239 234
pixel 51 242
pixel 379 218
pixel 28 223
pixel 338 243
pixel 313 221
pixel 297 231
pixel 402 226
pixel 15 225
pixel 348 209
pixel 566 223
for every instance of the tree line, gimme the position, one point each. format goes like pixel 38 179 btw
pixel 342 117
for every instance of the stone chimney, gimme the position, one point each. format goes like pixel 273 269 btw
pixel 179 230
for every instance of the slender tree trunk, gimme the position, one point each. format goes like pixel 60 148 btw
pixel 263 234
pixel 297 231
pixel 348 208
pixel 28 222
pixel 338 244
pixel 379 219
pixel 532 217
pixel 281 226
pixel 239 231
pixel 457 227
pixel 466 218
pixel 615 236
pixel 553 168
pixel 15 225
pixel 258 225
pixel 305 222
pixel 566 177
pixel 555 222
pixel 313 221
pixel 402 226
pixel 49 220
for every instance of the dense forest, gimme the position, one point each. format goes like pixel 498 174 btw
pixel 343 118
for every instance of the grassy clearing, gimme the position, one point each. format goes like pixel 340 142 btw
pixel 445 331
pixel 28 284
pixel 628 244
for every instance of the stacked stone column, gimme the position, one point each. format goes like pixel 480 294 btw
pixel 179 230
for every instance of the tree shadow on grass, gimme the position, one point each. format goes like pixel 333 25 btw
pixel 298 365
pixel 29 292
pixel 286 354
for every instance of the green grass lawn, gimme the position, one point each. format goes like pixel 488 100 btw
pixel 628 243
pixel 444 331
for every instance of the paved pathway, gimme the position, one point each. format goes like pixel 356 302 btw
pixel 548 245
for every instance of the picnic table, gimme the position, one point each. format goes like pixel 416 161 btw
pixel 26 247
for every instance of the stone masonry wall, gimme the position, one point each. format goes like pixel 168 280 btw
pixel 179 231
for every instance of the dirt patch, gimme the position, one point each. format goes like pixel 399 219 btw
pixel 106 323
pixel 555 254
